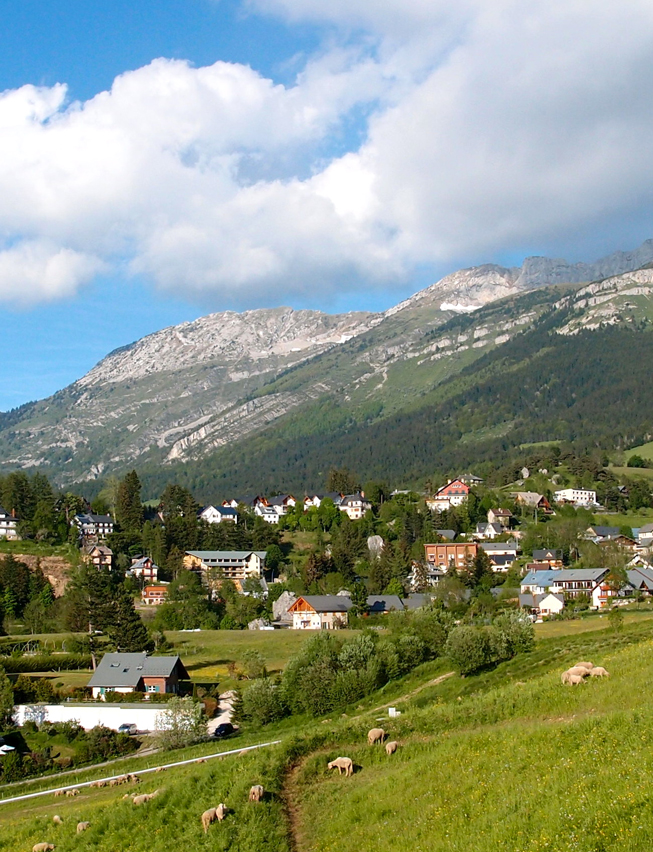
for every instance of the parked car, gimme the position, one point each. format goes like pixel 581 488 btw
pixel 226 729
pixel 127 729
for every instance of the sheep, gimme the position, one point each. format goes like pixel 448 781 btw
pixel 134 779
pixel 256 793
pixel 56 819
pixel 82 826
pixel 98 784
pixel 212 814
pixel 74 792
pixel 114 782
pixel 342 764
pixel 391 747
pixel 160 769
pixel 200 760
pixel 588 666
pixel 144 797
pixel 579 670
pixel 575 679
pixel 599 671
pixel 376 735
pixel 59 792
pixel 43 847
pixel 564 677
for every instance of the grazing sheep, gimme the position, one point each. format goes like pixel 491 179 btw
pixel 127 796
pixel 200 760
pixel 212 815
pixel 376 735
pixel 575 679
pixel 599 671
pixel 256 793
pixel 579 670
pixel 74 792
pixel 43 847
pixel 160 769
pixel 342 764
pixel 114 782
pixel 82 826
pixel 56 819
pixel 584 665
pixel 391 747
pixel 564 677
pixel 221 811
pixel 134 779
pixel 144 797
pixel 59 792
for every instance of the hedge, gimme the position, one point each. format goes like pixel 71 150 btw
pixel 45 663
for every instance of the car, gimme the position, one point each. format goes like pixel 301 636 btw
pixel 127 729
pixel 226 729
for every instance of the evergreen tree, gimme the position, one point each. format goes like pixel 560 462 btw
pixel 127 632
pixel 129 510
pixel 6 699
pixel 359 599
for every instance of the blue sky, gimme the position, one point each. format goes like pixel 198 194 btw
pixel 160 160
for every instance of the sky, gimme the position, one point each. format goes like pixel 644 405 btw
pixel 163 159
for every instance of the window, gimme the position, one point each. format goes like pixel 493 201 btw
pixel 152 688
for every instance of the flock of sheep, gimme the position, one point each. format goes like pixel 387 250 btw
pixel 577 674
pixel 346 764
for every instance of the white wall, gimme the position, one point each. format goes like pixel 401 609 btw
pixel 88 715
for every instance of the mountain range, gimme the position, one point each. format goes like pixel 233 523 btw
pixel 272 398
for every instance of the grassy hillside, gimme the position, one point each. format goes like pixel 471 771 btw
pixel 509 759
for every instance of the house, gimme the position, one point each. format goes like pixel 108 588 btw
pixel 488 531
pixel 137 673
pixel 603 595
pixel 502 553
pixel 235 565
pixel 499 516
pixel 624 542
pixel 417 601
pixel 538 566
pixel 218 514
pixel 470 479
pixel 433 575
pixel 551 556
pixel 598 534
pixel 282 503
pixel 537 582
pixel 354 505
pixel 644 534
pixel 270 514
pixel 442 555
pixel 320 612
pixel 92 526
pixel 577 581
pixel 454 493
pixel 532 500
pixel 249 501
pixel 8 525
pixel 449 535
pixel 577 496
pixel 382 604
pixel 154 595
pixel 99 555
pixel 546 604
pixel 144 568
pixel 641 579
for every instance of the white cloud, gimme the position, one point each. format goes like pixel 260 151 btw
pixel 492 126
pixel 36 270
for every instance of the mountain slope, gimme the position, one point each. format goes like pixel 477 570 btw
pixel 243 384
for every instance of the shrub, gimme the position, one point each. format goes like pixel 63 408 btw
pixel 468 648
pixel 42 662
pixel 181 724
pixel 262 702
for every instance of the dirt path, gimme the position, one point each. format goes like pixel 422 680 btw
pixel 410 694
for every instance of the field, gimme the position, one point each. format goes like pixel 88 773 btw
pixel 509 760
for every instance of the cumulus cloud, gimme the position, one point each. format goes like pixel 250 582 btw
pixel 489 125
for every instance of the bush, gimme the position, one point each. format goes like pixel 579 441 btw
pixel 262 702
pixel 43 662
pixel 468 648
pixel 181 724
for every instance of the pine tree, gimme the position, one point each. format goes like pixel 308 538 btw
pixel 129 510
pixel 127 632
pixel 6 698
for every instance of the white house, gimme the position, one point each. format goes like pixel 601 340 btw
pixel 217 514
pixel 355 506
pixel 488 531
pixel 8 525
pixel 578 496
pixel 320 612
pixel 270 514
pixel 90 525
pixel 551 604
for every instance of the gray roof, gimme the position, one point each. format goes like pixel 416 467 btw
pixel 225 555
pixel 494 546
pixel 641 578
pixel 128 669
pixel 549 553
pixel 328 603
pixel 450 534
pixel 384 603
pixel 417 601
pixel 540 578
pixel 604 532
pixel 647 528
pixel 578 574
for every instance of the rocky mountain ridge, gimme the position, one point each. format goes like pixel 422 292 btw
pixel 185 392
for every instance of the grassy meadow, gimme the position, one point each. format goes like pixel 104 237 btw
pixel 508 759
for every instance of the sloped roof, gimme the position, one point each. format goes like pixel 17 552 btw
pixel 540 578
pixel 325 603
pixel 578 574
pixel 384 603
pixel 417 601
pixel 604 532
pixel 232 555
pixel 449 534
pixel 550 553
pixel 127 669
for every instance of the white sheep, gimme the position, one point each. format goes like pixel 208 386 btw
pixel 56 819
pixel 391 747
pixel 342 764
pixel 256 793
pixel 82 826
pixel 43 847
pixel 599 671
pixel 376 735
